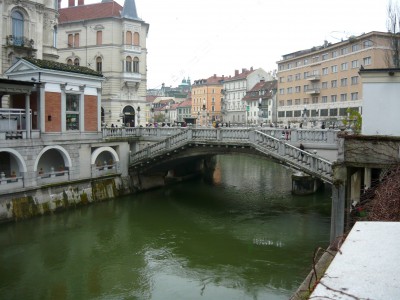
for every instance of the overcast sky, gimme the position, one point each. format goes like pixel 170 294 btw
pixel 199 38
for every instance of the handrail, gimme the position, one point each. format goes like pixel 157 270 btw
pixel 264 143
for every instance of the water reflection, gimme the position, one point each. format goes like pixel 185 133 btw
pixel 243 237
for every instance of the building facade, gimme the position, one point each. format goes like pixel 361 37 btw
pixel 318 85
pixel 207 100
pixel 235 89
pixel 27 29
pixel 110 39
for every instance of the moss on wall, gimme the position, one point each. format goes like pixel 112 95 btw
pixel 24 208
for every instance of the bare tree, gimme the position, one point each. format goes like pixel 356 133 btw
pixel 393 27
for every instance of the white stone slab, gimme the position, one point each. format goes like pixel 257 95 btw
pixel 367 267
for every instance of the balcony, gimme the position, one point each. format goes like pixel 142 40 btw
pixel 131 77
pixel 313 91
pixel 132 49
pixel 314 77
pixel 20 41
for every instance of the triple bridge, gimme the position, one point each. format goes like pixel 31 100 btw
pixel 175 145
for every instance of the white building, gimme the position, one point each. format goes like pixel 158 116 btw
pixel 381 107
pixel 110 39
pixel 235 89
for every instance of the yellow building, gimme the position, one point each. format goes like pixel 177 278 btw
pixel 206 100
pixel 316 86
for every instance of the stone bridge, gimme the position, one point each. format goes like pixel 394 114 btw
pixel 177 144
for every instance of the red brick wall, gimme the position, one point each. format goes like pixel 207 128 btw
pixel 53 109
pixel 91 118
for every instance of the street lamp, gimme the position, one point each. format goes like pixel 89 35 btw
pixel 198 118
pixel 260 112
pixel 166 114
pixel 152 113
pixel 138 116
pixel 304 116
pixel 204 113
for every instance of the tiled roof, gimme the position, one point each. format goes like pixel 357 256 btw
pixel 240 76
pixel 52 65
pixel 267 86
pixel 90 12
pixel 185 103
pixel 213 80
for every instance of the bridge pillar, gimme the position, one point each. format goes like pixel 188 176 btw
pixel 338 202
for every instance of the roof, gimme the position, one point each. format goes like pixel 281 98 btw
pixel 129 10
pixel 268 86
pixel 213 80
pixel 240 76
pixel 52 65
pixel 186 103
pixel 90 12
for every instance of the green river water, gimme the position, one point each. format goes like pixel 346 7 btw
pixel 242 236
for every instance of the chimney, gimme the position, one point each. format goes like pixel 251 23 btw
pixel 71 3
pixel 81 2
pixel 236 72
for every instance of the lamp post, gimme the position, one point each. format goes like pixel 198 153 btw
pixel 138 116
pixel 304 116
pixel 204 113
pixel 166 114
pixel 198 119
pixel 152 113
pixel 260 112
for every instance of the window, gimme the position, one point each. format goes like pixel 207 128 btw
pixel 99 64
pixel 76 61
pixel 324 99
pixel 72 111
pixel 314 100
pixel 333 83
pixel 289 113
pixel 136 40
pixel 324 85
pixel 354 80
pixel 289 78
pixel 128 64
pixel 73 40
pixel 367 60
pixel 306 100
pixel 297 101
pixel 334 54
pixel 354 64
pixel 69 62
pixel 99 37
pixel 298 89
pixel 343 97
pixel 367 44
pixel 325 56
pixel 306 74
pixel 17 27
pixel 289 66
pixel 297 76
pixel 344 51
pixel 136 65
pixel 281 79
pixel 305 88
pixel 289 90
pixel 343 82
pixel 281 103
pixel 355 47
pixel 281 91
pixel 306 61
pixel 128 38
pixel 289 102
pixel 354 96
pixel 333 98
pixel 344 66
pixel 334 69
pixel 324 71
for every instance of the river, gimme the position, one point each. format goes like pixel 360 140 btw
pixel 241 236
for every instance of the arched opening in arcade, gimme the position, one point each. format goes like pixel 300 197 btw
pixel 12 169
pixel 105 160
pixel 53 162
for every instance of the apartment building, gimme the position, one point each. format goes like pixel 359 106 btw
pixel 261 103
pixel 111 39
pixel 207 99
pixel 317 86
pixel 235 89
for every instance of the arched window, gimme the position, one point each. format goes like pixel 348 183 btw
pixel 128 39
pixel 136 40
pixel 17 27
pixel 69 62
pixel 128 64
pixel 76 61
pixel 99 37
pixel 99 64
pixel 136 65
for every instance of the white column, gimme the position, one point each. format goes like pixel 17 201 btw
pixel 28 115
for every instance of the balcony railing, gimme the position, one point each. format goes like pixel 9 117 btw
pixel 19 41
pixel 314 77
pixel 132 48
pixel 313 91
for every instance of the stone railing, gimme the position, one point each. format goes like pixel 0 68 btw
pixel 267 144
